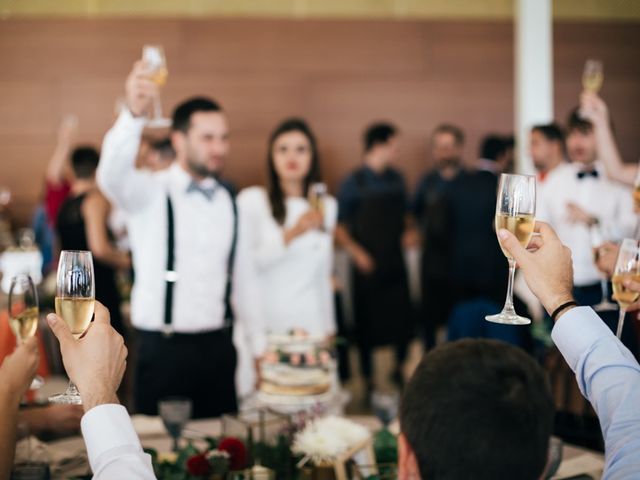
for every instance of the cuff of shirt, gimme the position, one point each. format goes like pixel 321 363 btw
pixel 126 121
pixel 106 427
pixel 576 331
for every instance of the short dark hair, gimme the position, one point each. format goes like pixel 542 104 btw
pixel 84 161
pixel 377 134
pixel 478 409
pixel 182 114
pixel 576 122
pixel 551 131
pixel 492 147
pixel 454 130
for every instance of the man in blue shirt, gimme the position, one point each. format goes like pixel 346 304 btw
pixel 433 416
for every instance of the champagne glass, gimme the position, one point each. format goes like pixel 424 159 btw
pixel 75 301
pixel 175 412
pixel 24 313
pixel 592 75
pixel 515 211
pixel 627 268
pixel 598 237
pixel 153 56
pixel 317 194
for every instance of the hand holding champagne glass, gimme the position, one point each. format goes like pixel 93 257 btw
pixel 627 268
pixel 75 301
pixel 515 212
pixel 599 237
pixel 24 313
pixel 317 194
pixel 153 56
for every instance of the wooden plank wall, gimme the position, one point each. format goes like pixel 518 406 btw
pixel 339 74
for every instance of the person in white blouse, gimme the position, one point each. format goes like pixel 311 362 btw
pixel 290 239
pixel 577 198
pixel 194 278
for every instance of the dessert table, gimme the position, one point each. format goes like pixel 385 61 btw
pixel 67 457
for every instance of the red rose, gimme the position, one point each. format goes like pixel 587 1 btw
pixel 237 452
pixel 198 465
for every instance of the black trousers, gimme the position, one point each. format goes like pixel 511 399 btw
pixel 199 366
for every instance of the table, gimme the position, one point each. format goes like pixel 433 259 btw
pixel 576 460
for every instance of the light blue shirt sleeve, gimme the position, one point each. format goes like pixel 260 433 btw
pixel 609 377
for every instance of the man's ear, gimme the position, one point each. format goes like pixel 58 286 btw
pixel 407 463
pixel 178 140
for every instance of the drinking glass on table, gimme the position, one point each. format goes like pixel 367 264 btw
pixel 24 313
pixel 153 56
pixel 598 236
pixel 627 268
pixel 515 212
pixel 175 413
pixel 592 75
pixel 75 302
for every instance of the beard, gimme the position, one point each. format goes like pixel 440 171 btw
pixel 201 170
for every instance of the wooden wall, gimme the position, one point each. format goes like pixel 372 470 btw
pixel 339 74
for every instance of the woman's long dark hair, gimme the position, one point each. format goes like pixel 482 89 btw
pixel 276 195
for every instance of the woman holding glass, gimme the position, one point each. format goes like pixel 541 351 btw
pixel 290 230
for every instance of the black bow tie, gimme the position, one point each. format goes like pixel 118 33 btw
pixel 206 191
pixel 592 173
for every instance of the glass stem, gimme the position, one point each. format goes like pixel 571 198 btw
pixel 72 390
pixel 623 312
pixel 605 290
pixel 175 444
pixel 508 304
pixel 157 106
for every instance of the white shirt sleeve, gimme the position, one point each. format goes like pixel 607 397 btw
pixel 117 175
pixel 113 447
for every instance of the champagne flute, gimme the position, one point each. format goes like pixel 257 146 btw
pixel 153 56
pixel 75 301
pixel 592 75
pixel 24 313
pixel 598 237
pixel 515 211
pixel 627 268
pixel 317 194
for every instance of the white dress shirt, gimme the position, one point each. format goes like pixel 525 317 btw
pixel 609 377
pixel 203 237
pixel 113 447
pixel 608 201
pixel 295 279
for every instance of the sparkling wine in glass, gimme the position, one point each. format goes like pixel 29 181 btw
pixel 317 195
pixel 515 212
pixel 175 413
pixel 24 313
pixel 627 268
pixel 75 300
pixel 154 58
pixel 598 237
pixel 592 75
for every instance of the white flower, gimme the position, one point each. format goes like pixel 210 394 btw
pixel 325 439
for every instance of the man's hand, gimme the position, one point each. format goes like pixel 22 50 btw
pixel 548 271
pixel 593 108
pixel 140 90
pixel 96 362
pixel 362 260
pixel 576 214
pixel 607 254
pixel 19 368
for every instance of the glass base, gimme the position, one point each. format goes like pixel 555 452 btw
pixel 66 399
pixel 159 123
pixel 605 306
pixel 508 318
pixel 36 383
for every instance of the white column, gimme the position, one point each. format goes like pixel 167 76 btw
pixel 534 73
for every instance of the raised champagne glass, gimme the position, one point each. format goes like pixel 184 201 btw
pixel 599 235
pixel 154 58
pixel 75 302
pixel 24 313
pixel 627 268
pixel 592 75
pixel 317 194
pixel 515 212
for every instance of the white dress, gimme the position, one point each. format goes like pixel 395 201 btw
pixel 294 279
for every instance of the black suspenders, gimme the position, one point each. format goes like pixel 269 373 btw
pixel 171 276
